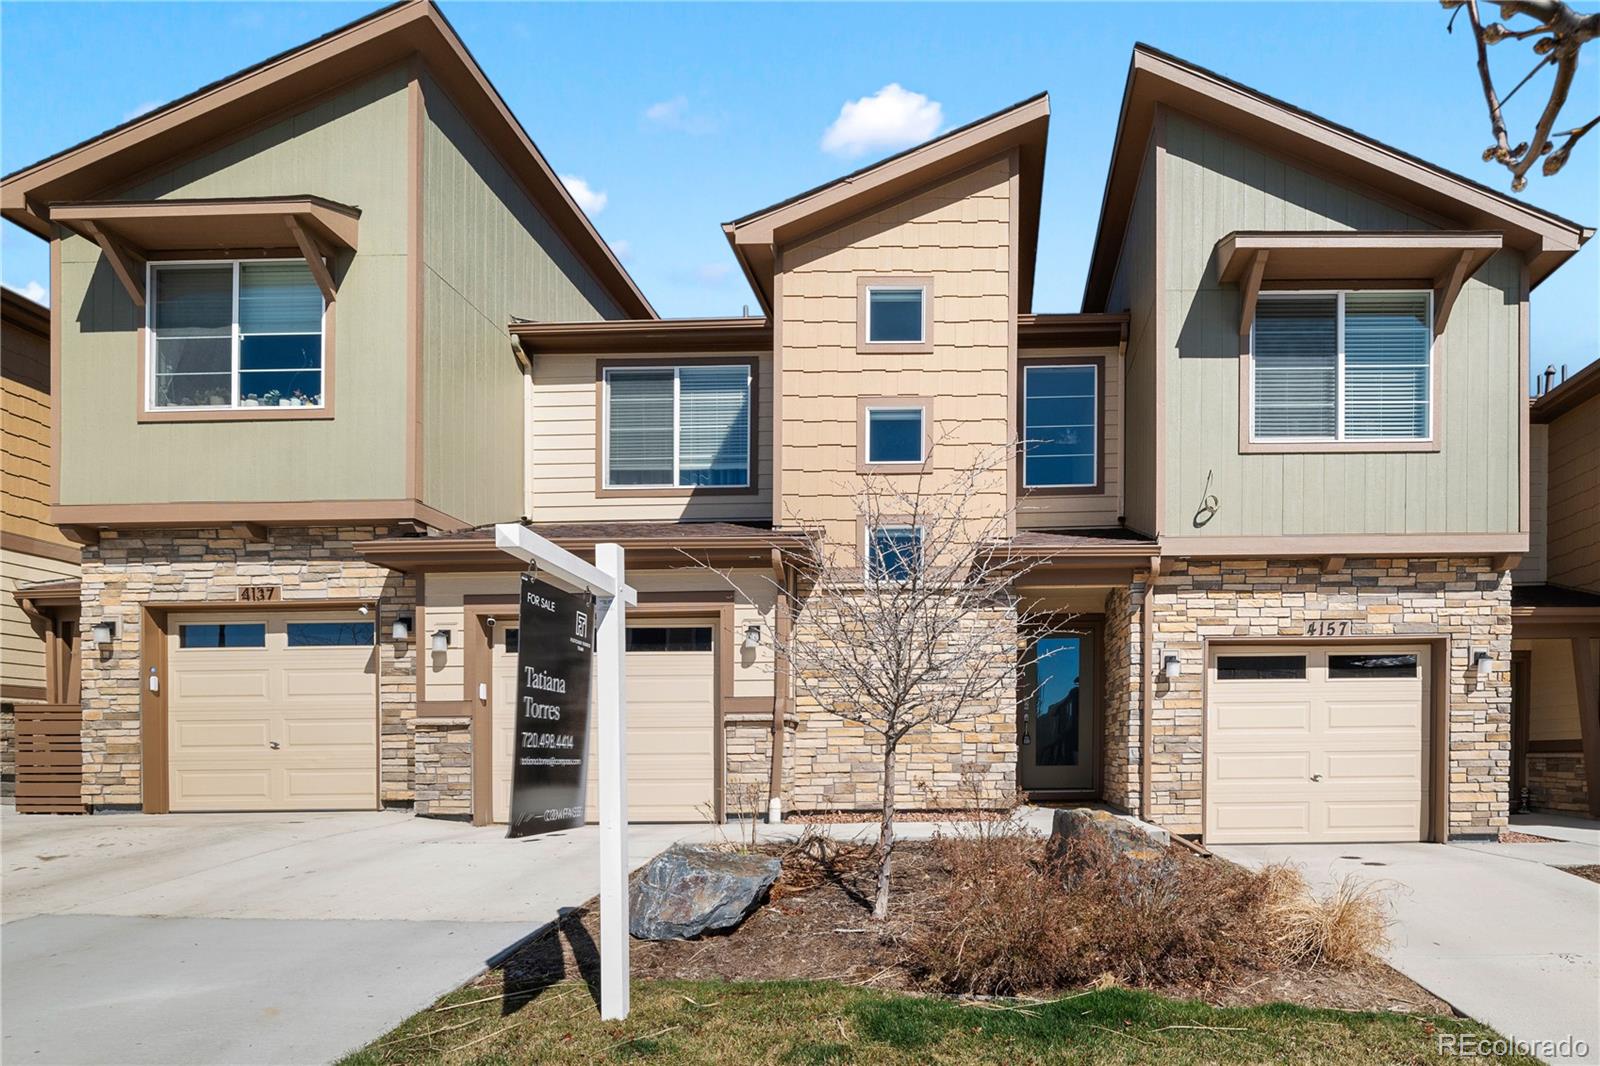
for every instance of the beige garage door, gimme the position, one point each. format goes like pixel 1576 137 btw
pixel 671 724
pixel 1316 744
pixel 272 712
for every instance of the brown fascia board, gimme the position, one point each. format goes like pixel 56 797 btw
pixel 1069 330
pixel 756 237
pixel 645 336
pixel 335 222
pixel 1579 388
pixel 95 168
pixel 24 313
pixel 1156 78
pixel 408 554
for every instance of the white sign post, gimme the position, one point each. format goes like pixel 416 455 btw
pixel 606 580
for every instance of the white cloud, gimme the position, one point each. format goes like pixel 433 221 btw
pixel 36 292
pixel 593 201
pixel 892 117
pixel 143 109
pixel 675 114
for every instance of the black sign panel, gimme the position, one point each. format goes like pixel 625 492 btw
pixel 555 658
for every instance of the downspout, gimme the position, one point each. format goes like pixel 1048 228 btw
pixel 780 685
pixel 1146 683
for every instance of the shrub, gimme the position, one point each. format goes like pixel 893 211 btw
pixel 1013 917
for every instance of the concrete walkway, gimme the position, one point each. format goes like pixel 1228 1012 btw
pixel 1512 943
pixel 277 938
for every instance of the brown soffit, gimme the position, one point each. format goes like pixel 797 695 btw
pixel 48 594
pixel 215 112
pixel 1580 387
pixel 189 515
pixel 1158 79
pixel 1389 255
pixel 1023 127
pixel 644 336
pixel 680 546
pixel 1071 330
pixel 147 226
pixel 19 311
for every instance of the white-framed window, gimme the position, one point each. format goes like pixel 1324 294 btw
pixel 677 426
pixel 1061 425
pixel 1342 366
pixel 895 314
pixel 894 553
pixel 233 334
pixel 895 435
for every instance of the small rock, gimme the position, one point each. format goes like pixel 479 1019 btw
pixel 688 890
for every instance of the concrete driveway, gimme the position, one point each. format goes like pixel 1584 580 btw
pixel 1511 942
pixel 260 938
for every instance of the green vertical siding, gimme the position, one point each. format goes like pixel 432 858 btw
pixel 350 147
pixel 1133 289
pixel 490 255
pixel 1215 184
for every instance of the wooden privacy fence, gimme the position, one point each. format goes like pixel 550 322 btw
pixel 49 758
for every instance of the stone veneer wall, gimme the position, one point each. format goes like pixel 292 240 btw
pixel 1119 783
pixel 444 767
pixel 1457 597
pixel 1556 782
pixel 838 763
pixel 747 763
pixel 8 749
pixel 128 569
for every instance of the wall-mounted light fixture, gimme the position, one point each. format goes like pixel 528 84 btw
pixel 441 640
pixel 363 610
pixel 1481 664
pixel 1170 667
pixel 401 630
pixel 104 631
pixel 752 637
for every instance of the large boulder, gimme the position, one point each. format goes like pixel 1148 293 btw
pixel 689 890
pixel 1088 841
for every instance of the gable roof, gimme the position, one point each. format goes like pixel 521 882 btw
pixel 1579 388
pixel 1023 126
pixel 1157 79
pixel 217 112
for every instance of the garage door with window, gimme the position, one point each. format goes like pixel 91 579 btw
pixel 272 712
pixel 1316 744
pixel 671 693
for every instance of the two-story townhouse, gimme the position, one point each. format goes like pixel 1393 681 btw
pixel 1274 482
pixel 37 641
pixel 1555 605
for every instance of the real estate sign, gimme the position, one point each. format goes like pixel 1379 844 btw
pixel 555 658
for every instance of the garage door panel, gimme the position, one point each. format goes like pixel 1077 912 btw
pixel 1263 716
pixel 1265 766
pixel 221 735
pixel 1395 816
pixel 1391 715
pixel 1356 767
pixel 325 683
pixel 1288 820
pixel 327 733
pixel 205 787
pixel 230 685
pixel 324 787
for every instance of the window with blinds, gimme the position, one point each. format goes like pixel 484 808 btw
pixel 1342 366
pixel 229 335
pixel 677 427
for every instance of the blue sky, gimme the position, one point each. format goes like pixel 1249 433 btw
pixel 684 116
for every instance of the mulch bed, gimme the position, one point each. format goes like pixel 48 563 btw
pixel 1512 836
pixel 869 817
pixel 1588 873
pixel 818 925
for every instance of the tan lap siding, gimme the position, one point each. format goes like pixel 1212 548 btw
pixel 957 234
pixel 21 645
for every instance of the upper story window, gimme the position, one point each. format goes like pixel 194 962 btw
pixel 228 334
pixel 677 427
pixel 1342 366
pixel 894 314
pixel 894 553
pixel 1061 425
pixel 895 435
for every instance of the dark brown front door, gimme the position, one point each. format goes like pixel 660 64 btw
pixel 1521 663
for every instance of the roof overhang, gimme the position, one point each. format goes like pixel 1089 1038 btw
pixel 644 336
pixel 1579 388
pixel 221 112
pixel 1435 259
pixel 647 548
pixel 1157 80
pixel 131 232
pixel 24 313
pixel 1071 331
pixel 48 596
pixel 1022 128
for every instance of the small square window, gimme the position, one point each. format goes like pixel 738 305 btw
pixel 894 435
pixel 894 553
pixel 895 314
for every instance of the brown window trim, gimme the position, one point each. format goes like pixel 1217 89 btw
pixel 1099 363
pixel 923 282
pixel 324 413
pixel 924 403
pixel 601 491
pixel 1247 446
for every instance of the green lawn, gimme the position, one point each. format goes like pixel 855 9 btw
pixel 816 1022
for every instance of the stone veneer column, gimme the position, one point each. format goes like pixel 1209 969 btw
pixel 1119 783
pixel 1457 597
pixel 128 569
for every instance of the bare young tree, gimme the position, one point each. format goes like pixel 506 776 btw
pixel 919 627
pixel 1560 34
